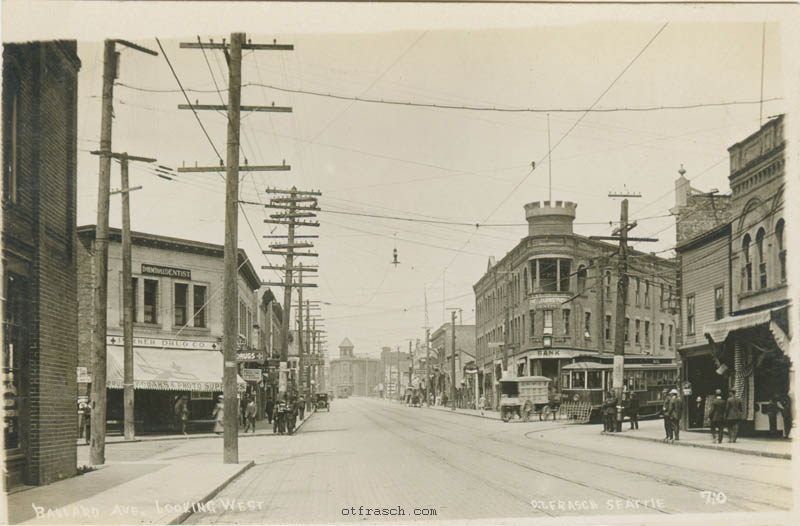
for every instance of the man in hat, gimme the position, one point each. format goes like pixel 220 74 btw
pixel 734 410
pixel 717 416
pixel 674 412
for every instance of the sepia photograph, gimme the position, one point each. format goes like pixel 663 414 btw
pixel 399 262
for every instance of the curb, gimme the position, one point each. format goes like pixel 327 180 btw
pixel 457 412
pixel 186 514
pixel 197 437
pixel 784 456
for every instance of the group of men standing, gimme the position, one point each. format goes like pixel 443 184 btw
pixel 283 414
pixel 725 413
pixel 671 411
pixel 612 416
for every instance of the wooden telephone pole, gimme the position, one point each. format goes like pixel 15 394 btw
pixel 621 234
pixel 97 452
pixel 292 209
pixel 233 55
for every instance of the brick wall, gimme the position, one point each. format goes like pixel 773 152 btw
pixel 701 214
pixel 45 215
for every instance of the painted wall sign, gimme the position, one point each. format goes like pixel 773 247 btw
pixel 83 375
pixel 170 272
pixel 167 343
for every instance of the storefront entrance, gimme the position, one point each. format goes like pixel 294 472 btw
pixel 701 373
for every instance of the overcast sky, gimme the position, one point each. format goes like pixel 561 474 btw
pixel 427 163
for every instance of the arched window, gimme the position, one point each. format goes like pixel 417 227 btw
pixel 747 268
pixel 762 263
pixel 581 278
pixel 781 249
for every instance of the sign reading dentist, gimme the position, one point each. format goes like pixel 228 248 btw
pixel 169 272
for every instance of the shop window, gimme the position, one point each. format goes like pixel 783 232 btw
pixel 181 304
pixel 719 303
pixel 587 325
pixel 150 301
pixel 548 322
pixel 594 379
pixel 762 263
pixel 566 313
pixel 15 324
pixel 12 131
pixel 200 305
pixel 781 249
pixel 690 314
pixel 548 279
pixel 607 327
pixel 747 268
pixel 578 379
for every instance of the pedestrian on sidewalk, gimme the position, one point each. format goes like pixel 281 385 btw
pixel 773 409
pixel 664 413
pixel 182 414
pixel 482 403
pixel 699 411
pixel 734 410
pixel 633 410
pixel 87 420
pixel 291 416
pixel 609 413
pixel 717 417
pixel 301 407
pixel 219 415
pixel 243 408
pixel 250 415
pixel 675 411
pixel 785 406
pixel 277 416
pixel 269 409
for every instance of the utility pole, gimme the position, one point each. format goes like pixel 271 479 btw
pixel 233 55
pixel 621 234
pixel 453 369
pixel 97 451
pixel 127 298
pixel 290 204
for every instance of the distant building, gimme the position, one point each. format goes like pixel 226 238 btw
pixel 353 375
pixel 551 300
pixel 40 304
pixel 442 359
pixel 395 372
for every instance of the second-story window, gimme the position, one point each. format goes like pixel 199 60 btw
pixel 532 318
pixel 587 324
pixel 669 341
pixel 637 340
pixel 638 291
pixel 150 301
pixel 762 262
pixel 747 268
pixel 581 279
pixel 134 297
pixel 181 303
pixel 548 279
pixel 661 336
pixel 607 327
pixel 646 293
pixel 548 322
pixel 565 268
pixel 608 285
pixel 690 314
pixel 719 303
pixel 566 313
pixel 647 333
pixel 200 306
pixel 627 330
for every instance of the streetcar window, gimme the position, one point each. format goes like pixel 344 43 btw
pixel 579 379
pixel 565 380
pixel 595 379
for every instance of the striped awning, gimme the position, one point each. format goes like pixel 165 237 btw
pixel 168 369
pixel 719 330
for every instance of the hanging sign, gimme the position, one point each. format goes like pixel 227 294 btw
pixel 251 375
pixel 251 356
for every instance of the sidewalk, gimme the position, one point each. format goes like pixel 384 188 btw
pixel 263 428
pixel 653 430
pixel 164 487
pixel 487 413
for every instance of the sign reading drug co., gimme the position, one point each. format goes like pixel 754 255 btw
pixel 167 343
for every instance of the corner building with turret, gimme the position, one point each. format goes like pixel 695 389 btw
pixel 550 302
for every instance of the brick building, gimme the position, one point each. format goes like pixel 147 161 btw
pixel 395 367
pixel 551 301
pixel 177 329
pixel 40 308
pixel 355 375
pixel 749 345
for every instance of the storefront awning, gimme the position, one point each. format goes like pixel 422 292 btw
pixel 168 369
pixel 719 330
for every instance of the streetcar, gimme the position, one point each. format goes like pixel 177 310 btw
pixel 588 381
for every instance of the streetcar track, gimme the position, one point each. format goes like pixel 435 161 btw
pixel 528 467
pixel 671 482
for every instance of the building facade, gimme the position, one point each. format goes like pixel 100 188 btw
pixel 353 375
pixel 40 307
pixel 551 300
pixel 442 361
pixel 750 345
pixel 177 327
pixel 395 368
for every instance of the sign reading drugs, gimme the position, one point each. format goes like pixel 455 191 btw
pixel 251 356
pixel 170 272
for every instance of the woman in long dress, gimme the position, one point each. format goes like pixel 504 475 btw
pixel 219 416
